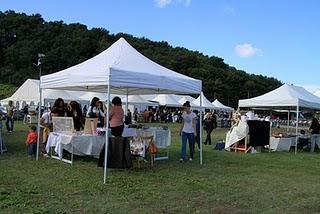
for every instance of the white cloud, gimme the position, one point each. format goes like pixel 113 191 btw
pixel 165 3
pixel 246 50
pixel 187 3
pixel 229 10
pixel 162 3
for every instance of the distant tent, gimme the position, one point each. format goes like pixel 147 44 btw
pixel 167 100
pixel 220 106
pixel 29 93
pixel 206 104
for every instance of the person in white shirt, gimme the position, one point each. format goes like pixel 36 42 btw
pixel 92 110
pixel 187 131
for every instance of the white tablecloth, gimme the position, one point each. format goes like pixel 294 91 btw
pixel 162 138
pixel 91 145
pixel 82 145
pixel 280 144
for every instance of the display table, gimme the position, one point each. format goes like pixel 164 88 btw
pixel 75 144
pixel 91 145
pixel 280 144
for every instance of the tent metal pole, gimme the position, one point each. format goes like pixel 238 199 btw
pixel 105 171
pixel 288 123
pixel 39 116
pixel 200 118
pixel 127 94
pixel 297 126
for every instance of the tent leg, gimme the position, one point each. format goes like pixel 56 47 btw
pixel 105 173
pixel 288 122
pixel 39 116
pixel 297 125
pixel 126 110
pixel 200 118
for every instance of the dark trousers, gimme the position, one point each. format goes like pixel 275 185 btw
pixel 117 131
pixel 208 138
pixel 32 149
pixel 9 123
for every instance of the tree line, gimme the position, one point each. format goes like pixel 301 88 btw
pixel 23 36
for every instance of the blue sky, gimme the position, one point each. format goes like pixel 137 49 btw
pixel 279 38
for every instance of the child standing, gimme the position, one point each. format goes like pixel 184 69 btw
pixel 31 141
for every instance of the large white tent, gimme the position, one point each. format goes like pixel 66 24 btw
pixel 202 102
pixel 220 106
pixel 122 70
pixel 29 92
pixel 137 99
pixel 287 97
pixel 167 100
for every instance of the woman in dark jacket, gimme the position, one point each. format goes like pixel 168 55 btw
pixel 75 112
pixel 315 131
pixel 209 124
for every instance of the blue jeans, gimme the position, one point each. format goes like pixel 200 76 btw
pixel 314 140
pixel 32 149
pixel 9 123
pixel 190 138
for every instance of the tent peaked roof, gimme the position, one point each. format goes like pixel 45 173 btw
pixel 129 72
pixel 29 92
pixel 205 102
pixel 284 96
pixel 184 99
pixel 167 100
pixel 219 105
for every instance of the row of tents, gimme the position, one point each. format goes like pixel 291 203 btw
pixel 28 93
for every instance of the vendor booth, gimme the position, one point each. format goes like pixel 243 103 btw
pixel 121 69
pixel 287 97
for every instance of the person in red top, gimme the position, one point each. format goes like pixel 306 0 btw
pixel 116 117
pixel 31 141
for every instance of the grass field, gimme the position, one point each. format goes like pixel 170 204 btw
pixel 225 183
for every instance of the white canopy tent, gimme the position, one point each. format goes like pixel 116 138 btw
pixel 202 102
pixel 29 92
pixel 220 106
pixel 288 97
pixel 121 69
pixel 167 100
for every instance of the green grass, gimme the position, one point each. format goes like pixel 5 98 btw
pixel 226 183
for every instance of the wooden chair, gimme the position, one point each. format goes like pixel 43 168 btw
pixel 148 140
pixel 238 147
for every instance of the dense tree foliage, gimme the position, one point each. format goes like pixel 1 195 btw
pixel 22 37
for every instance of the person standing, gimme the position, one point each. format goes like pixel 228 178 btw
pixel 209 123
pixel 25 113
pixel 187 131
pixel 60 106
pixel 74 111
pixel 9 116
pixel 116 117
pixel 315 133
pixel 92 110
pixel 31 141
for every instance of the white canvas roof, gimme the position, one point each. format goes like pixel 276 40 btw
pixel 205 103
pixel 284 96
pixel 219 105
pixel 129 71
pixel 29 92
pixel 167 100
pixel 184 99
pixel 137 99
